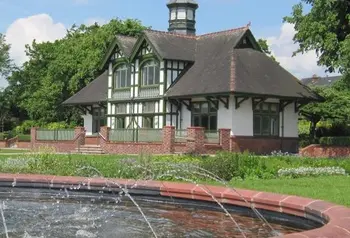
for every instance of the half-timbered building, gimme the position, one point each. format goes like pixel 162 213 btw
pixel 178 78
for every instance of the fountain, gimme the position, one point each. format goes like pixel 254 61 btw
pixel 54 206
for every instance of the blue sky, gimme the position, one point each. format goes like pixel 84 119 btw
pixel 46 20
pixel 213 15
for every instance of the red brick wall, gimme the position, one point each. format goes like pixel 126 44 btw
pixel 263 145
pixel 3 144
pixel 59 146
pixel 23 144
pixel 92 140
pixel 133 148
pixel 325 151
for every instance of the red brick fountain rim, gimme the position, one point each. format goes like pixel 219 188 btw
pixel 337 217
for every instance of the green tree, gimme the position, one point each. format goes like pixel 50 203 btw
pixel 325 29
pixel 335 108
pixel 5 62
pixel 265 48
pixel 5 109
pixel 57 70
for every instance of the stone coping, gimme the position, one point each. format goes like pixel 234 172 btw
pixel 337 217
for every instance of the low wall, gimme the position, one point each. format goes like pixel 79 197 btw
pixel 23 144
pixel 58 146
pixel 337 217
pixel 263 145
pixel 92 140
pixel 325 151
pixel 133 148
pixel 3 144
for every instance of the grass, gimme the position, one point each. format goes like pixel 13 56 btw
pixel 13 151
pixel 334 189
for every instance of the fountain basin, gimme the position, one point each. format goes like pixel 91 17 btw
pixel 329 219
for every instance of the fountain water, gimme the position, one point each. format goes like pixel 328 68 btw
pixel 64 204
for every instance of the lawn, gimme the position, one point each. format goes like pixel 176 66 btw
pixel 335 189
pixel 13 151
pixel 242 171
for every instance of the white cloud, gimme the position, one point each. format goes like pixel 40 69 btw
pixel 282 47
pixel 23 31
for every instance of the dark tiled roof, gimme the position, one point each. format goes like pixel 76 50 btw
pixel 257 73
pixel 126 43
pixel 172 46
pixel 320 81
pixel 94 92
pixel 211 71
pixel 220 68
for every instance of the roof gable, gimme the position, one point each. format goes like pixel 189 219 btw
pixel 124 43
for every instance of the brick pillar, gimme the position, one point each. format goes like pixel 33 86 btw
pixel 104 131
pixel 33 131
pixel 195 140
pixel 225 137
pixel 79 131
pixel 169 139
pixel 234 146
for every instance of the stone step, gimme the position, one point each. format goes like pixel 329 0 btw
pixel 88 151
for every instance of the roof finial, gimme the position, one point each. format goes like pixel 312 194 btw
pixel 249 23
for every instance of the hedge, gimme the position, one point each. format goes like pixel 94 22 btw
pixel 340 141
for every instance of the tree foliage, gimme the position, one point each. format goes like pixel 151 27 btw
pixel 5 62
pixel 325 29
pixel 335 108
pixel 57 70
pixel 265 48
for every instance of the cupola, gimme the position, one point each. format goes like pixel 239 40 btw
pixel 182 16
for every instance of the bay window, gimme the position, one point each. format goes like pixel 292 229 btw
pixel 122 77
pixel 150 73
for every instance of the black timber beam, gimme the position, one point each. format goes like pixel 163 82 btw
pixel 103 105
pixel 284 103
pixel 239 101
pixel 225 101
pixel 298 105
pixel 85 108
pixel 213 102
pixel 257 101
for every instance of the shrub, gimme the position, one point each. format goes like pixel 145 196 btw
pixel 340 141
pixel 22 137
pixel 305 140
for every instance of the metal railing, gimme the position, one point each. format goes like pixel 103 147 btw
pixel 212 137
pixel 55 135
pixel 136 135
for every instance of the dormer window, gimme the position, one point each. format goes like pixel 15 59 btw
pixel 150 73
pixel 122 77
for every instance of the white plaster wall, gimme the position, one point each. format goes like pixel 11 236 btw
pixel 242 118
pixel 225 115
pixel 88 123
pixel 290 122
pixel 185 118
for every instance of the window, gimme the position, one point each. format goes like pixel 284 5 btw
pixel 122 77
pixel 204 114
pixel 119 122
pixel 266 120
pixel 189 14
pixel 173 14
pixel 148 122
pixel 120 108
pixel 181 13
pixel 148 107
pixel 150 73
